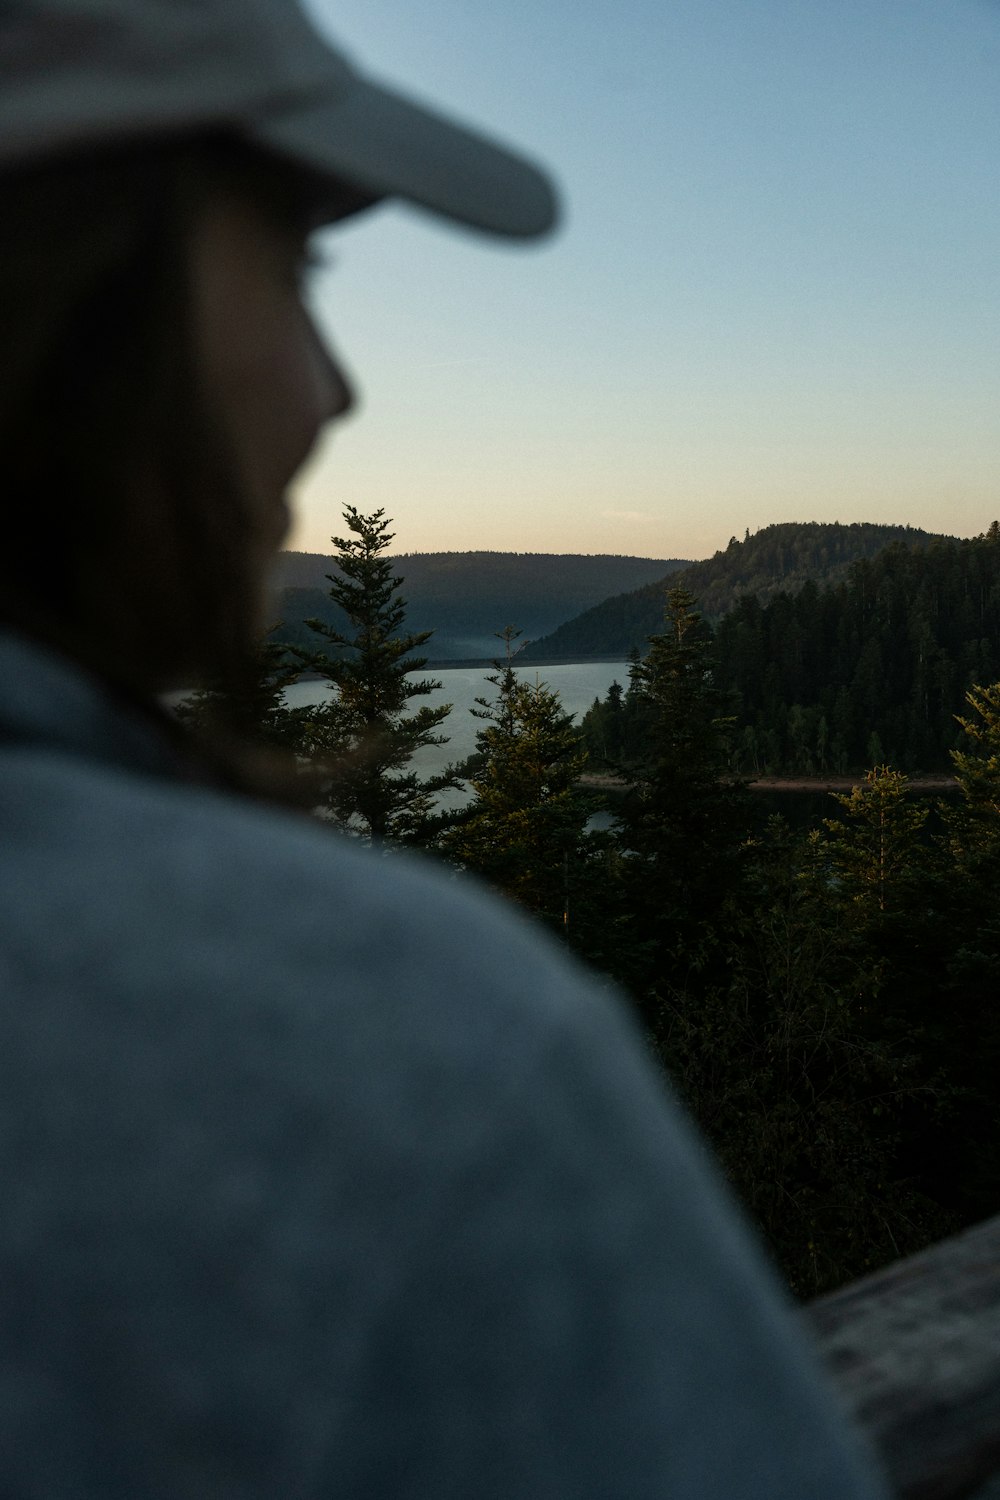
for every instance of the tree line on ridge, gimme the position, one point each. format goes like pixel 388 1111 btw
pixel 464 594
pixel 778 559
pixel 871 669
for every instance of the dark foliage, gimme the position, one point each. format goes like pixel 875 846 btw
pixel 872 669
pixel 783 557
pixel 366 734
pixel 824 1001
pixel 682 820
pixel 525 829
pixel 248 702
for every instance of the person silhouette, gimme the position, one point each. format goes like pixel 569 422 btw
pixel 323 1175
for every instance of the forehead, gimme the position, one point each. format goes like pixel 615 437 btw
pixel 230 173
pixel 290 195
pixel 240 251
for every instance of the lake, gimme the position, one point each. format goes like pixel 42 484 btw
pixel 577 683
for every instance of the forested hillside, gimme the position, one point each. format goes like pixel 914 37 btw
pixel 783 557
pixel 869 670
pixel 874 669
pixel 465 597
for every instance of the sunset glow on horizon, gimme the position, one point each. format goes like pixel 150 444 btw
pixel 775 297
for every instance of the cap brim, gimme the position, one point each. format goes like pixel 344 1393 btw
pixel 380 144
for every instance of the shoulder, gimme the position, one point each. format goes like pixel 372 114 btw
pixel 383 1146
pixel 163 883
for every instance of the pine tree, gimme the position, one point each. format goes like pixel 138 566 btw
pixel 977 769
pixel 603 727
pixel 806 1092
pixel 366 733
pixel 971 848
pixel 684 818
pixel 896 896
pixel 875 846
pixel 967 997
pixel 525 830
pixel 249 702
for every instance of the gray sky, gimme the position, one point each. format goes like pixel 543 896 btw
pixel 776 295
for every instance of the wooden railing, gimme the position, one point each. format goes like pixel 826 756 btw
pixel 915 1352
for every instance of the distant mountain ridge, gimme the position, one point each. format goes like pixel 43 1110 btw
pixel 777 558
pixel 466 597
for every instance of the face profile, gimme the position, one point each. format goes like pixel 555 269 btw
pixel 266 375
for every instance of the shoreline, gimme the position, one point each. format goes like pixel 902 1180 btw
pixel 941 782
pixel 469 663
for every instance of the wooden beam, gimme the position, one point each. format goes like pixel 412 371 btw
pixel 915 1352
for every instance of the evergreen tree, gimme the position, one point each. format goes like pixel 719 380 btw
pixel 757 998
pixel 875 846
pixel 366 734
pixel 249 702
pixel 969 1030
pixel 971 842
pixel 884 657
pixel 603 728
pixel 787 1062
pixel 245 735
pixel 244 732
pixel 525 830
pixel 895 895
pixel 684 819
pixel 977 769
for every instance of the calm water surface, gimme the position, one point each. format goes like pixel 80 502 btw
pixel 577 684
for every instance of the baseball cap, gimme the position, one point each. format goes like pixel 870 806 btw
pixel 80 74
